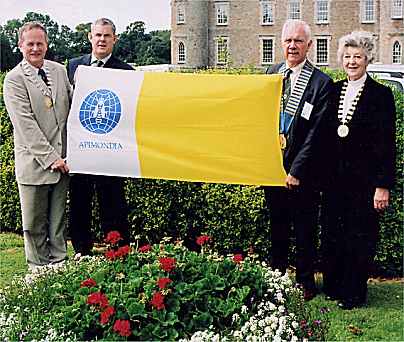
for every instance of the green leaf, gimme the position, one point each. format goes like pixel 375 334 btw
pixel 135 309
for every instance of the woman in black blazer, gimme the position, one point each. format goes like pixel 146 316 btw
pixel 361 160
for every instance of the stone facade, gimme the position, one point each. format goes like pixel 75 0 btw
pixel 196 30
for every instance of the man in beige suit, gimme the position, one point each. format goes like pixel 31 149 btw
pixel 37 97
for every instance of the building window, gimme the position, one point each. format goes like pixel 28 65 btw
pixel 181 53
pixel 322 51
pixel 397 9
pixel 180 14
pixel 222 13
pixel 267 50
pixel 397 54
pixel 322 9
pixel 267 13
pixel 294 9
pixel 222 50
pixel 368 11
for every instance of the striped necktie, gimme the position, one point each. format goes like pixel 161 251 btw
pixel 287 85
pixel 41 72
pixel 97 63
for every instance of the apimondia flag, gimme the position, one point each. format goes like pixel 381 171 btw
pixel 191 127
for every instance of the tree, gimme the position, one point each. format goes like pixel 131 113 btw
pixel 157 49
pixel 130 42
pixel 80 43
pixel 8 58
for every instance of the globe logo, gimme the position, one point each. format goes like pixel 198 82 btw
pixel 100 111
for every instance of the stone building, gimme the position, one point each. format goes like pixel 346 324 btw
pixel 247 32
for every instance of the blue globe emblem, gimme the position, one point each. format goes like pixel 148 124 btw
pixel 100 111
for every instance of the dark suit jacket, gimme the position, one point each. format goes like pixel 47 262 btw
pixel 301 157
pixel 366 157
pixel 113 63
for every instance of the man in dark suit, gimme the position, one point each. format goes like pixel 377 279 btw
pixel 304 103
pixel 110 190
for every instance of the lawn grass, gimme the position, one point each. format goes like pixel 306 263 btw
pixel 381 320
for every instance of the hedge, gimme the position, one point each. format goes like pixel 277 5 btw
pixel 233 215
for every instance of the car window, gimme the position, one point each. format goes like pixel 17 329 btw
pixel 395 84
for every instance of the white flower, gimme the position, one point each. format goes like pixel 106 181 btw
pixel 244 309
pixel 235 318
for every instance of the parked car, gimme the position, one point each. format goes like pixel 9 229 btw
pixel 392 74
pixel 388 70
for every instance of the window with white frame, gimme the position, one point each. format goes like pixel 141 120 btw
pixel 397 53
pixel 222 50
pixel 181 53
pixel 267 51
pixel 267 13
pixel 397 9
pixel 368 11
pixel 222 13
pixel 322 51
pixel 180 14
pixel 322 11
pixel 294 9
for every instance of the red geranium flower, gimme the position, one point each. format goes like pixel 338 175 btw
pixel 201 240
pixel 237 258
pixel 122 327
pixel 158 301
pixel 167 264
pixel 88 283
pixel 97 298
pixel 106 314
pixel 122 251
pixel 110 255
pixel 144 249
pixel 163 282
pixel 113 237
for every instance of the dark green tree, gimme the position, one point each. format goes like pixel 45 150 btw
pixel 131 41
pixel 157 49
pixel 79 39
pixel 8 59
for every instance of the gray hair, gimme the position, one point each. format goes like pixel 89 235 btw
pixel 357 39
pixel 30 25
pixel 293 24
pixel 102 22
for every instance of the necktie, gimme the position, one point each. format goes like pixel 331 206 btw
pixel 41 73
pixel 285 119
pixel 98 63
pixel 287 84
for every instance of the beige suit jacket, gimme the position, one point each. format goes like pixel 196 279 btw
pixel 39 126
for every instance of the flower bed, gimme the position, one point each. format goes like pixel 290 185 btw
pixel 159 292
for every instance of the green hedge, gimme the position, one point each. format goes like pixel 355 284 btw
pixel 234 215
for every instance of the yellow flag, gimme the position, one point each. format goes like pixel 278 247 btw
pixel 210 128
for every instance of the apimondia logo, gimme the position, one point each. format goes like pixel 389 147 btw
pixel 100 111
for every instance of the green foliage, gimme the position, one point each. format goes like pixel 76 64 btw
pixel 202 292
pixel 9 199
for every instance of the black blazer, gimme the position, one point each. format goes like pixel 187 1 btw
pixel 301 158
pixel 113 63
pixel 366 157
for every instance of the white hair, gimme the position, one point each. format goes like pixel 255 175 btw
pixel 293 24
pixel 358 39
